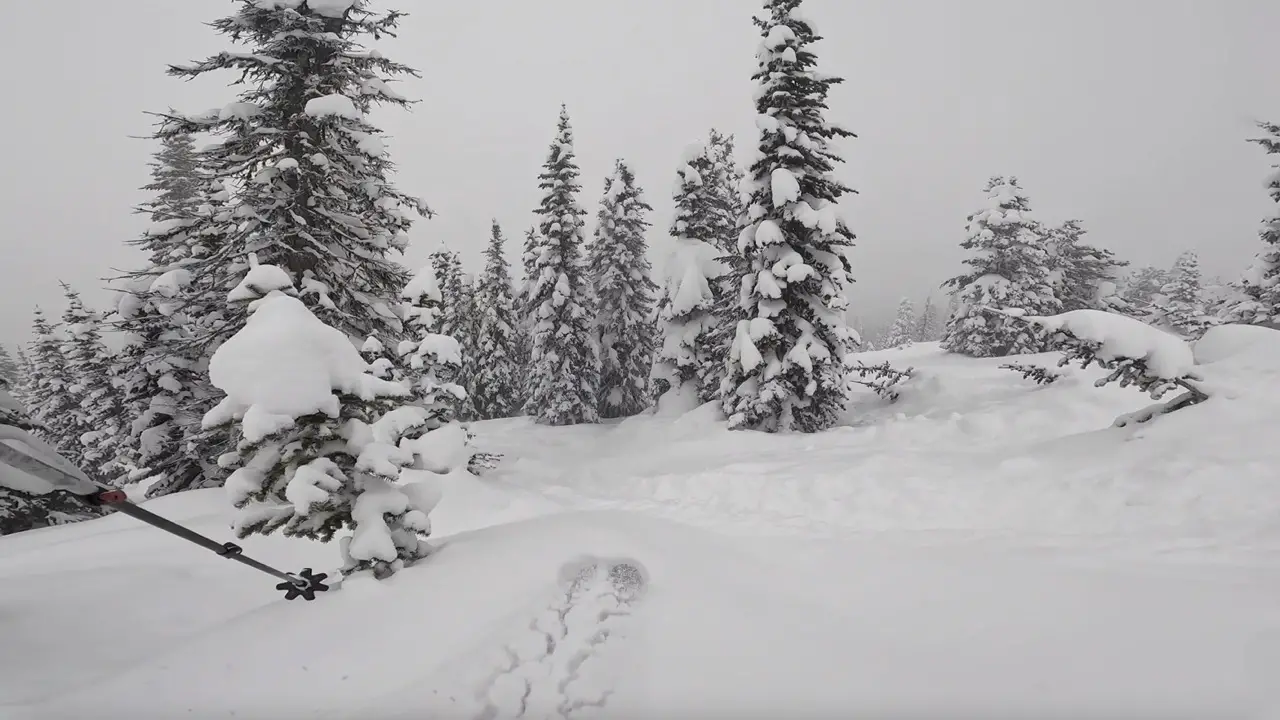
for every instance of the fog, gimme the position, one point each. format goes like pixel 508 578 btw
pixel 1131 116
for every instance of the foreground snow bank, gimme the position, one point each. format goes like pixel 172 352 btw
pixel 725 628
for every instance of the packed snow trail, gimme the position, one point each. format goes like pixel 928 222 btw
pixel 555 668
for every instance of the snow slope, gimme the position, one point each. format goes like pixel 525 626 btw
pixel 984 547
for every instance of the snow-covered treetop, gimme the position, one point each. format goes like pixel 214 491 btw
pixel 1006 205
pixel 1009 244
pixel 561 216
pixel 318 201
pixel 695 212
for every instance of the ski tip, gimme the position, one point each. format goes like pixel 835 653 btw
pixel 627 574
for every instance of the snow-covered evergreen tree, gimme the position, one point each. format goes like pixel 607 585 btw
pixel 927 326
pixel 529 263
pixel 903 330
pixel 496 386
pixel 323 444
pixel 524 303
pixel 314 195
pixel 52 405
pixel 1142 289
pixel 9 368
pixel 172 313
pixel 1261 282
pixel 1183 307
pixel 624 291
pixel 1010 269
pixel 564 372
pixel 175 179
pixel 1085 277
pixel 448 273
pixel 100 412
pixel 686 311
pixel 74 421
pixel 455 316
pixel 724 183
pixel 786 366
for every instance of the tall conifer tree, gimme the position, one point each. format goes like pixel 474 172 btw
pixel 786 365
pixel 563 374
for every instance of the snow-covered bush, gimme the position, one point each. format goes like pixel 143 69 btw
pixel 786 365
pixel 881 378
pixel 1010 268
pixel 324 445
pixel 1134 353
pixel 1039 374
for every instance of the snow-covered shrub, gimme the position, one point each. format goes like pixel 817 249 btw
pixel 1150 359
pixel 881 378
pixel 1038 374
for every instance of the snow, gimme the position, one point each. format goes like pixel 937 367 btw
pixel 784 186
pixel 982 548
pixel 331 8
pixel 259 282
pixel 170 283
pixel 422 286
pixel 286 363
pixel 778 36
pixel 335 105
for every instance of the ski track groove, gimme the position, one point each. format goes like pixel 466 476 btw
pixel 544 668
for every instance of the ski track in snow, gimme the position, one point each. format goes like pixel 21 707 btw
pixel 556 668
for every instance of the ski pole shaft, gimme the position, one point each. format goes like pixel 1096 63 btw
pixel 231 551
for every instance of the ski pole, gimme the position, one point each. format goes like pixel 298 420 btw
pixel 304 584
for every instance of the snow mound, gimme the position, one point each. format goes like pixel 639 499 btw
pixel 286 363
pixel 260 281
pixel 336 105
pixel 1239 342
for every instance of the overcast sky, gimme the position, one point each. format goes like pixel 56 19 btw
pixel 1131 116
